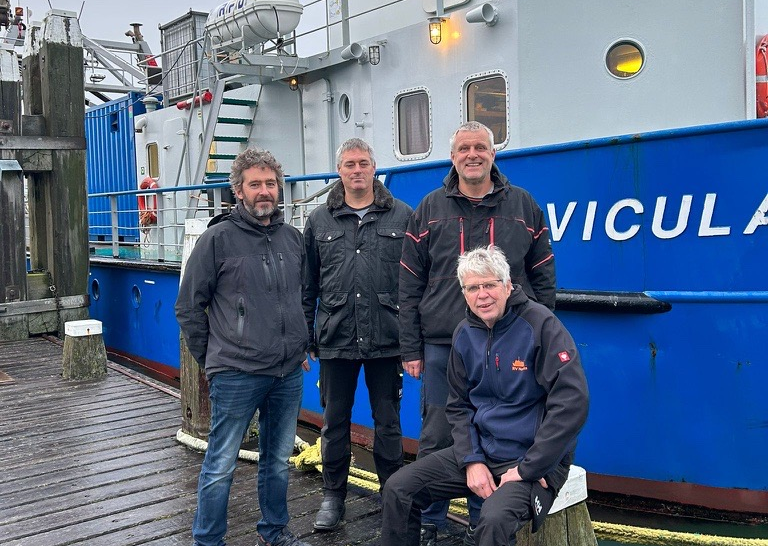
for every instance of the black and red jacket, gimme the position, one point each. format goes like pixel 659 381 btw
pixel 446 224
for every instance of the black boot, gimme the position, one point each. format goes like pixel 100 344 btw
pixel 330 514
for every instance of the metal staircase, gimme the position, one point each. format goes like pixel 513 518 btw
pixel 226 133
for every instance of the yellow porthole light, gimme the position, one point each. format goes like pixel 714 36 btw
pixel 624 59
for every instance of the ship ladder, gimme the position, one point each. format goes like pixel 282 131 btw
pixel 224 137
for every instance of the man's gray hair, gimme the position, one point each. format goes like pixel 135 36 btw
pixel 254 157
pixel 354 144
pixel 484 261
pixel 471 126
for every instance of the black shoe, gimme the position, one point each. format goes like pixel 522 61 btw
pixel 428 535
pixel 285 538
pixel 469 536
pixel 329 516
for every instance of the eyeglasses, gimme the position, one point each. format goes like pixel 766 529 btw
pixel 473 289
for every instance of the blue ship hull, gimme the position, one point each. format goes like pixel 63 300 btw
pixel 666 299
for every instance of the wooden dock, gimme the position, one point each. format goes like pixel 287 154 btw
pixel 96 462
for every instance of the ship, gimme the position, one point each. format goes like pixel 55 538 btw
pixel 638 127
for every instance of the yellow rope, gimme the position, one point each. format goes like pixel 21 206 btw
pixel 310 459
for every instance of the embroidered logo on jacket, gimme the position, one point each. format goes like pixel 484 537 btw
pixel 564 356
pixel 519 366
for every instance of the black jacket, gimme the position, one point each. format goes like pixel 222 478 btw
pixel 352 267
pixel 446 224
pixel 239 304
pixel 517 392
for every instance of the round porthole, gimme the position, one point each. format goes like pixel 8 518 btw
pixel 625 59
pixel 345 110
pixel 136 296
pixel 95 289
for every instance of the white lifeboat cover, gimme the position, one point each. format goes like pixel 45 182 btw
pixel 246 23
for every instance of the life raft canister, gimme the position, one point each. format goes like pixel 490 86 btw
pixel 148 203
pixel 761 72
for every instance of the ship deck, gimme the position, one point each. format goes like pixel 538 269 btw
pixel 96 462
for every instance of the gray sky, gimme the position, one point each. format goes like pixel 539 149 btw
pixel 109 19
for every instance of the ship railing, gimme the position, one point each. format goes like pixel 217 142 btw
pixel 149 224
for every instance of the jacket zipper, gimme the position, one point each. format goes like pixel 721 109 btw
pixel 461 235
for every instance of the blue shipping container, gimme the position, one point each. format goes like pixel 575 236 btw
pixel 111 166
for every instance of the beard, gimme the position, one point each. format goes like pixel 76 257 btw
pixel 260 208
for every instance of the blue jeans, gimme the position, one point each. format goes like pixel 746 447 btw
pixel 235 397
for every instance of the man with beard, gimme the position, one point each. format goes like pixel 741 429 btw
pixel 239 309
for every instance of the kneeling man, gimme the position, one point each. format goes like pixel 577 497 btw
pixel 518 399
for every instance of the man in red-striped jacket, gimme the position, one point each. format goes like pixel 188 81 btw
pixel 475 207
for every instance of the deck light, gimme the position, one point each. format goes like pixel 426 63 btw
pixel 435 30
pixel 293 83
pixel 374 54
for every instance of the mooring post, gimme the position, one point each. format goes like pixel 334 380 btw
pixel 195 404
pixel 568 522
pixel 84 354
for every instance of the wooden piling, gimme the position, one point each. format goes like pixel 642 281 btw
pixel 195 404
pixel 84 354
pixel 58 214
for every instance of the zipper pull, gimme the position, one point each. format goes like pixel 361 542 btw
pixel 497 362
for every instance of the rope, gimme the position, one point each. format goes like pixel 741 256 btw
pixel 310 459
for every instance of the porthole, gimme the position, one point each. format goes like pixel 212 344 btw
pixel 136 296
pixel 625 59
pixel 95 290
pixel 345 110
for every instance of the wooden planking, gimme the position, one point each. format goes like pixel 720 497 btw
pixel 96 463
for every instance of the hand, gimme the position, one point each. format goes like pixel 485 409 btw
pixel 512 475
pixel 313 354
pixel 480 480
pixel 414 368
pixel 305 365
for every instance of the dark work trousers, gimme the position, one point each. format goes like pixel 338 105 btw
pixel 438 477
pixel 435 429
pixel 338 382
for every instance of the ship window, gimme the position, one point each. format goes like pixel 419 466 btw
pixel 412 113
pixel 624 59
pixel 487 103
pixel 153 161
pixel 345 110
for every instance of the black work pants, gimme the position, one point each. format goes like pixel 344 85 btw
pixel 338 382
pixel 437 477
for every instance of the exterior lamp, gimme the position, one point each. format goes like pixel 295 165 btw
pixel 293 83
pixel 374 54
pixel 435 30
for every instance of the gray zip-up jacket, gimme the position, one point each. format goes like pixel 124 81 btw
pixel 239 304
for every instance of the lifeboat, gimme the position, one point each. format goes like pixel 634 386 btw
pixel 241 24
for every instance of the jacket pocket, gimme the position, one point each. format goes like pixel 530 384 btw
pixel 389 327
pixel 330 315
pixel 330 247
pixel 390 243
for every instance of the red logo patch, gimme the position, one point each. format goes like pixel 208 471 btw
pixel 564 356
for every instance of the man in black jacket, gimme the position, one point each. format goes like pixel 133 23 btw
pixel 239 308
pixel 476 206
pixel 354 243
pixel 517 400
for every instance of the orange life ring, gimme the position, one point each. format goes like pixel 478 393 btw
pixel 148 203
pixel 761 73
